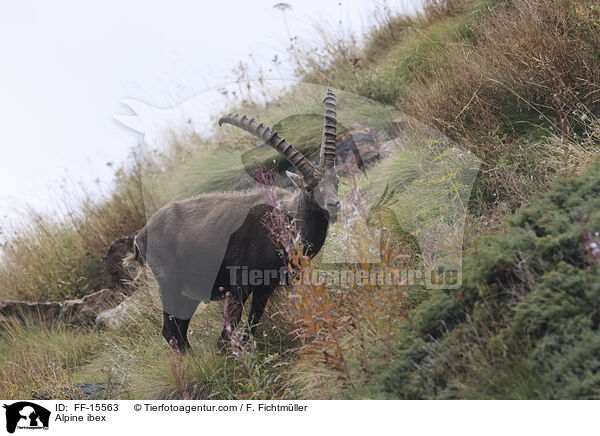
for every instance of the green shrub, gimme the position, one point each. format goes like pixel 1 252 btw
pixel 526 323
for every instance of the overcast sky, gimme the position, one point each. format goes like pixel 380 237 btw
pixel 66 65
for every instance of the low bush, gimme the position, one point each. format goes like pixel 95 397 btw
pixel 527 321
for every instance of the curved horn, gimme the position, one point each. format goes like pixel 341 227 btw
pixel 274 140
pixel 327 159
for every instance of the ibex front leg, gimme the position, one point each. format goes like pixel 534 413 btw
pixel 232 313
pixel 260 297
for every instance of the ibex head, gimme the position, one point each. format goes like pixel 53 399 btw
pixel 319 185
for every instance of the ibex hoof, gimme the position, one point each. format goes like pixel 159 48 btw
pixel 179 347
pixel 222 345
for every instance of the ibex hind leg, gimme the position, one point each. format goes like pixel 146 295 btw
pixel 174 331
pixel 177 311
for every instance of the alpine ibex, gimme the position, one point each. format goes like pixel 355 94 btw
pixel 202 242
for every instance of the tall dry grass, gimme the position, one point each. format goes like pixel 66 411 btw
pixel 46 258
pixel 35 358
pixel 515 81
pixel 523 53
pixel 527 78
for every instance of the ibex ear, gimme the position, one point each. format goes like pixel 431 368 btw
pixel 296 179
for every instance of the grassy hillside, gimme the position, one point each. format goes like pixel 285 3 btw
pixel 526 322
pixel 514 82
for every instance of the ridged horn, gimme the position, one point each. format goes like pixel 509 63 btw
pixel 327 157
pixel 297 159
